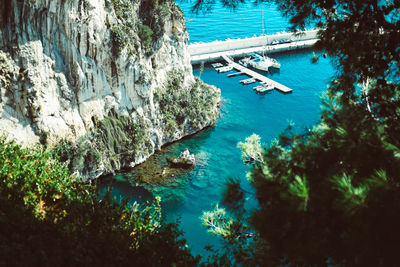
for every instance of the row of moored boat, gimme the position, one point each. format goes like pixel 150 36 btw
pixel 256 61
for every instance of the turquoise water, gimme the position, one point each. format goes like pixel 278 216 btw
pixel 222 23
pixel 243 112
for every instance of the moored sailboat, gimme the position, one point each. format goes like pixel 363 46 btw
pixel 259 62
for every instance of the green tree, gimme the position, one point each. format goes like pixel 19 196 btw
pixel 49 217
pixel 331 194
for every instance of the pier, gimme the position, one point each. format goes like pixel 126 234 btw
pixel 280 42
pixel 235 74
pixel 256 75
pixel 230 48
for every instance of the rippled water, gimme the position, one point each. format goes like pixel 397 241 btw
pixel 222 23
pixel 243 112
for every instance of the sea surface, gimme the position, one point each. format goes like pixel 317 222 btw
pixel 221 23
pixel 243 112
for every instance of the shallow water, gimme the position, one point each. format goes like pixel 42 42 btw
pixel 243 112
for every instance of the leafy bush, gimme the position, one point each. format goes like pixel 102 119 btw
pixel 48 217
pixel 149 28
pixel 185 106
pixel 122 33
pixel 145 34
pixel 114 142
pixel 119 38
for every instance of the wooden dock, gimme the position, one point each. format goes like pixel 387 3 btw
pixel 235 74
pixel 256 75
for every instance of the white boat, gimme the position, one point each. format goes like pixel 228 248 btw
pixel 224 69
pixel 259 62
pixel 248 81
pixel 217 65
pixel 265 87
pixel 274 62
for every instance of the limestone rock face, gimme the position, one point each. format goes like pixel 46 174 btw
pixel 66 65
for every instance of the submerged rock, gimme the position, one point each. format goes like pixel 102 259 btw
pixel 185 160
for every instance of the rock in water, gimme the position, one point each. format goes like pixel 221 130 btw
pixel 185 160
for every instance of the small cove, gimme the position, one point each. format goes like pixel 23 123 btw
pixel 243 112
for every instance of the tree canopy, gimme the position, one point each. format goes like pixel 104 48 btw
pixel 330 195
pixel 49 217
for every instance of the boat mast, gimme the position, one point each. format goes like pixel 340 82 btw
pixel 262 14
pixel 262 23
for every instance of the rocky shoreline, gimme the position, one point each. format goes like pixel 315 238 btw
pixel 105 83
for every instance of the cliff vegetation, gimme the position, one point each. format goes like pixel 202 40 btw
pixel 87 76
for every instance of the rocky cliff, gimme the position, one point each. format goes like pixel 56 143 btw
pixel 105 82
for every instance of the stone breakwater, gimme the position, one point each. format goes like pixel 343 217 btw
pixel 104 82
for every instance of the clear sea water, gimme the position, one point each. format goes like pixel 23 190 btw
pixel 243 112
pixel 222 23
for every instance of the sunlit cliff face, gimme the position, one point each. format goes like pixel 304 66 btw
pixel 68 65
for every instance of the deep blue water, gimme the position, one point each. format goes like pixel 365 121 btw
pixel 243 112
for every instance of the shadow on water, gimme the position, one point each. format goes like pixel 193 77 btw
pixel 121 189
pixel 274 72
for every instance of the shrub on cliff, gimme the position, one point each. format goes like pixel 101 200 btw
pixel 145 34
pixel 48 217
pixel 180 108
pixel 113 143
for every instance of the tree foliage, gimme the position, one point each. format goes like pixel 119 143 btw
pixel 334 196
pixel 331 195
pixel 49 217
